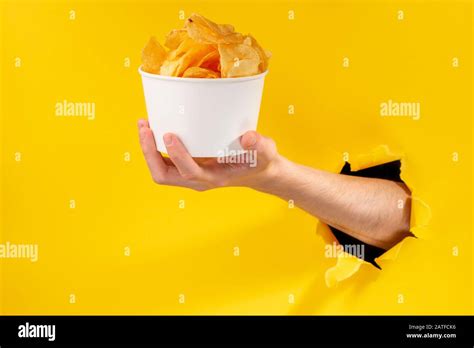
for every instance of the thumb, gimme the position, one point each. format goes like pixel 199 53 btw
pixel 265 147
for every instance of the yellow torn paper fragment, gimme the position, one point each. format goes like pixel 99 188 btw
pixel 323 230
pixel 346 266
pixel 379 155
pixel 420 217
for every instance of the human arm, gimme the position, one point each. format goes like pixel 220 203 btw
pixel 375 211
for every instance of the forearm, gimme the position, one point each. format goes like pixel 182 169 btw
pixel 374 211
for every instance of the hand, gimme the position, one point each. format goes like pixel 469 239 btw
pixel 180 169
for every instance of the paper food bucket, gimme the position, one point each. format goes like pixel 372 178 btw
pixel 208 115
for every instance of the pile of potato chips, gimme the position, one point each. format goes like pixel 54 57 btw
pixel 204 49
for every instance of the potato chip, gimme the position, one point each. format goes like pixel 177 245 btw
pixel 175 37
pixel 189 53
pixel 203 30
pixel 153 56
pixel 182 48
pixel 238 60
pixel 198 72
pixel 207 50
pixel 211 61
pixel 225 27
pixel 264 55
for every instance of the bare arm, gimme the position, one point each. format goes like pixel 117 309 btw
pixel 375 211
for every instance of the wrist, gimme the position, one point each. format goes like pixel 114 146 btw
pixel 275 178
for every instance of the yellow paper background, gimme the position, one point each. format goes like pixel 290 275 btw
pixel 190 251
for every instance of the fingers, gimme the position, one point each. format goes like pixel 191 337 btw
pixel 154 160
pixel 265 147
pixel 181 158
pixel 163 170
pixel 142 123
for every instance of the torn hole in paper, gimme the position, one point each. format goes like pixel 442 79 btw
pixel 379 163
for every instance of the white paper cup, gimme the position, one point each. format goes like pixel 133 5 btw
pixel 208 115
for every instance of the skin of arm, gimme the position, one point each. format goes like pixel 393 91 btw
pixel 375 211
